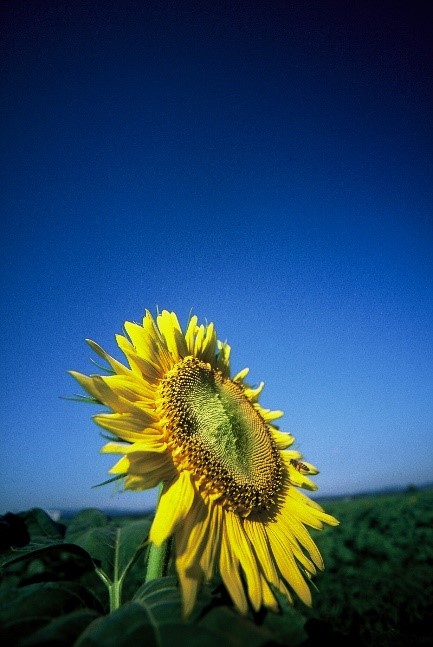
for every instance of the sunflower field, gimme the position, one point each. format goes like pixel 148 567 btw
pixel 59 581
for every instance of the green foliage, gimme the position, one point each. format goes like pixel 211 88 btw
pixel 377 586
pixel 82 584
pixel 113 548
pixel 154 617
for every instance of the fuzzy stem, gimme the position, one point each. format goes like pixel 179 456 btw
pixel 115 593
pixel 157 561
pixel 158 555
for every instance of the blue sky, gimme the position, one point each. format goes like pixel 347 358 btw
pixel 267 165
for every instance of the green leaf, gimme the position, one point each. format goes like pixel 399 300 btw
pixel 125 627
pixel 118 477
pixel 133 624
pixel 161 597
pixel 62 631
pixel 224 626
pixel 113 547
pixel 47 599
pixel 16 632
pixel 212 625
pixel 85 520
pixel 94 531
pixel 42 531
pixel 81 398
pixel 41 526
pixel 50 553
pixel 33 606
pixel 153 619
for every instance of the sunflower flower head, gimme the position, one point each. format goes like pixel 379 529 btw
pixel 231 484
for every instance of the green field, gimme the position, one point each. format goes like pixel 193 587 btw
pixel 59 579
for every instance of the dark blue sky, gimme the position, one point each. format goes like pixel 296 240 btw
pixel 267 165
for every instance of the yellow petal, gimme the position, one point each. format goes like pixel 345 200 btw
pixel 198 341
pixel 300 480
pixel 174 504
pixel 190 581
pixel 190 334
pixel 144 366
pixel 136 483
pixel 153 468
pixel 283 440
pixel 269 600
pixel 307 511
pixel 97 388
pixel 229 570
pixel 146 444
pixel 300 466
pixel 121 467
pixel 257 534
pixel 156 341
pixel 212 545
pixel 244 552
pixel 191 536
pixel 290 539
pixel 287 565
pixel 170 329
pixel 208 350
pixel 115 365
pixel 252 394
pixel 298 530
pixel 223 358
pixel 149 345
pixel 130 388
pixel 269 415
pixel 239 377
pixel 128 426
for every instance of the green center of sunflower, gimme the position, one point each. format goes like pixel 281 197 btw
pixel 216 433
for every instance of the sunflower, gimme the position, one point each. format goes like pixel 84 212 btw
pixel 230 494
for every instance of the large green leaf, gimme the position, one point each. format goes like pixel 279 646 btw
pixel 85 519
pixel 161 597
pixel 62 631
pixel 154 619
pixel 125 627
pixel 49 553
pixel 135 624
pixel 113 547
pixel 224 626
pixel 42 532
pixel 40 525
pixel 32 607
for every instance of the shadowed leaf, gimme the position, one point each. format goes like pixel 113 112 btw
pixel 113 547
pixel 62 631
pixel 34 606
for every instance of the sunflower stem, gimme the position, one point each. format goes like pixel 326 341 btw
pixel 157 561
pixel 115 593
pixel 158 557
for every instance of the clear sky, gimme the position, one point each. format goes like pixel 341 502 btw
pixel 267 165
